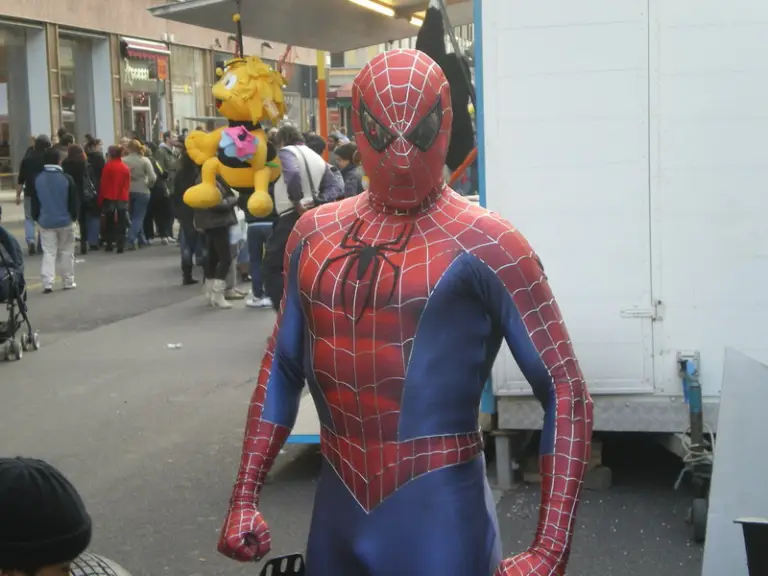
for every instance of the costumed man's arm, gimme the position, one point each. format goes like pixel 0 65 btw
pixel 35 199
pixel 518 299
pixel 271 417
pixel 21 179
pixel 73 198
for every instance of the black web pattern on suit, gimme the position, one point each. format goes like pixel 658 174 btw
pixel 363 254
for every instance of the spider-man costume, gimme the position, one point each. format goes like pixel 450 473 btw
pixel 396 303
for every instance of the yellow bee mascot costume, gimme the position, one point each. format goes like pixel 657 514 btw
pixel 247 93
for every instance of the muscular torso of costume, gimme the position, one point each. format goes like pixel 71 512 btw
pixel 392 405
pixel 394 321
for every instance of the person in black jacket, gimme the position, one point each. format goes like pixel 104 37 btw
pixel 31 165
pixel 190 240
pixel 349 166
pixel 94 153
pixel 76 165
pixel 157 222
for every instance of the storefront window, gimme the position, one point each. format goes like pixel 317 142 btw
pixel 143 80
pixel 187 87
pixel 14 102
pixel 76 64
pixel 221 58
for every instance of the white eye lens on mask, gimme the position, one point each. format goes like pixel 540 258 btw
pixel 229 81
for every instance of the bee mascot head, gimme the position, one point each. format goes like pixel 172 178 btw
pixel 247 93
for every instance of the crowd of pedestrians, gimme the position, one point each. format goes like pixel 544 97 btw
pixel 130 195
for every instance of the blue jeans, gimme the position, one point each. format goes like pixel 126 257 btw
pixel 93 227
pixel 258 234
pixel 29 223
pixel 137 210
pixel 191 245
pixel 243 255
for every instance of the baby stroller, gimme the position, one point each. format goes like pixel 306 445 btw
pixel 13 293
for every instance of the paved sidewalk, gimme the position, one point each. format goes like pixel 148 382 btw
pixel 11 212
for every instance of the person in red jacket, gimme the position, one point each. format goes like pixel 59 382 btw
pixel 113 198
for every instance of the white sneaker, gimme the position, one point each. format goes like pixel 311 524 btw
pixel 253 302
pixel 70 286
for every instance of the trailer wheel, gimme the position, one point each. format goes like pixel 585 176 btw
pixel 699 512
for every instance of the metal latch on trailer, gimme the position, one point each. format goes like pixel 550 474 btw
pixel 655 313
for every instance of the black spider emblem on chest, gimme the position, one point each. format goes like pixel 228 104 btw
pixel 367 257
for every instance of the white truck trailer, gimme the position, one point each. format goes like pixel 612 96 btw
pixel 628 140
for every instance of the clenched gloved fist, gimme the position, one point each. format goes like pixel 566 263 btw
pixel 530 564
pixel 245 536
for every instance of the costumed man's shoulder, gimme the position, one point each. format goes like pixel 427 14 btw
pixel 493 240
pixel 329 218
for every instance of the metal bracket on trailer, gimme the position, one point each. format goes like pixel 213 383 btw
pixel 655 313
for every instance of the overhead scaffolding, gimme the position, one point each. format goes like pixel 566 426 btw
pixel 326 25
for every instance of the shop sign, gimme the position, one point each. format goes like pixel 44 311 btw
pixel 181 88
pixel 134 71
pixel 162 69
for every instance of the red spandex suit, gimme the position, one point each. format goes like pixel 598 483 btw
pixel 396 304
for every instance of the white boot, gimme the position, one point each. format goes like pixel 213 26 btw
pixel 217 295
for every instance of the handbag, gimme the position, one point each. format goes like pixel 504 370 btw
pixel 90 194
pixel 237 231
pixel 315 195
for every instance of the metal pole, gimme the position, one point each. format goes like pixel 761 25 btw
pixel 322 99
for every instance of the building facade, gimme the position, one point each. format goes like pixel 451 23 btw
pixel 109 69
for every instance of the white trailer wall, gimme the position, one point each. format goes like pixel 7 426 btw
pixel 566 113
pixel 627 140
pixel 709 98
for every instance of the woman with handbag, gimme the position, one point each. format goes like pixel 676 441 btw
pixel 94 154
pixel 157 221
pixel 76 165
pixel 216 223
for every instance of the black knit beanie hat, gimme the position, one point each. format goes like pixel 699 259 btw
pixel 43 520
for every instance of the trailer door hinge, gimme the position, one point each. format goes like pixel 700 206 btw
pixel 653 313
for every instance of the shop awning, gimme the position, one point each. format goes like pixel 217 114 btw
pixel 344 91
pixel 330 25
pixel 137 48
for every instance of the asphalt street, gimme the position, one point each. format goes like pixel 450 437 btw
pixel 151 434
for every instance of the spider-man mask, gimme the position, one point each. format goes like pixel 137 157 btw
pixel 401 115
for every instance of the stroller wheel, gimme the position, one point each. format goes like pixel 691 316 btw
pixel 13 350
pixel 35 341
pixel 25 342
